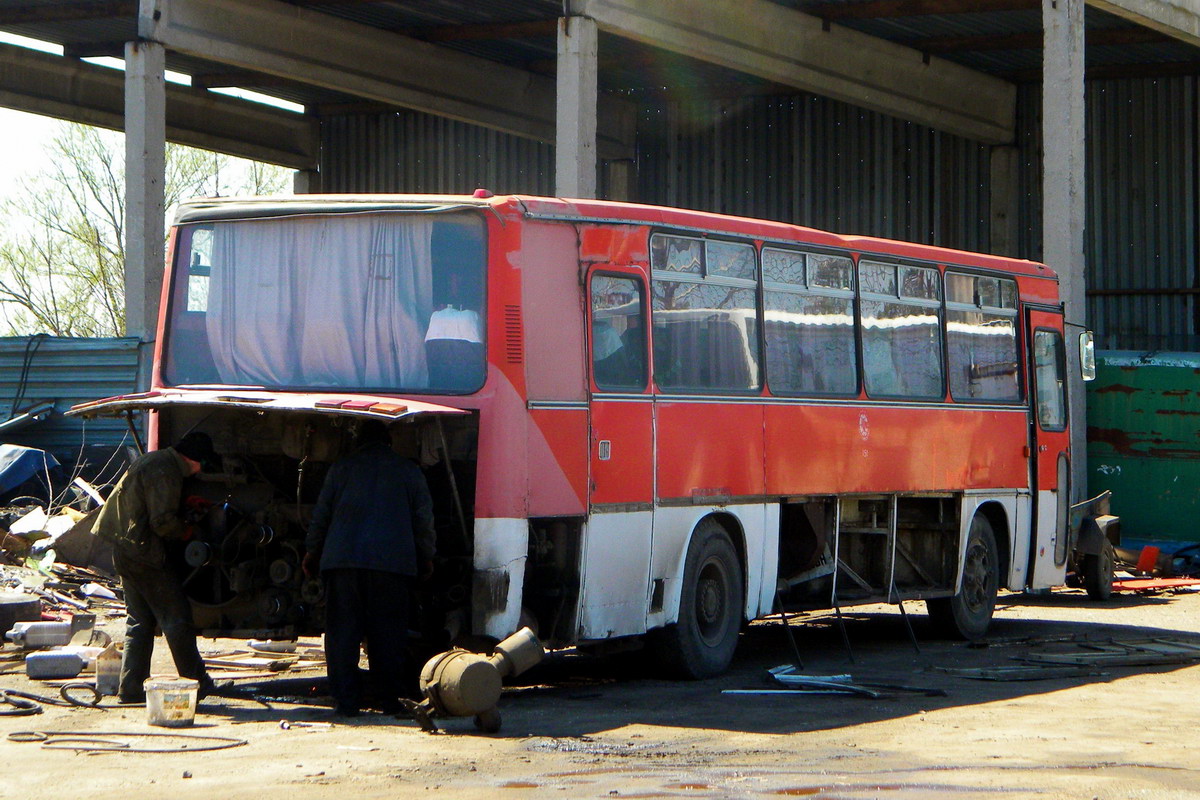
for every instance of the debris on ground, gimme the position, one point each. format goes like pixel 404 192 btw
pixel 1120 653
pixel 1160 559
pixel 1029 672
pixel 792 682
pixel 1155 585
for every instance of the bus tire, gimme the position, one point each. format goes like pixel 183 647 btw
pixel 1098 572
pixel 968 614
pixel 701 644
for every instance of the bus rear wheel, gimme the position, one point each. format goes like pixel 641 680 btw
pixel 701 644
pixel 968 614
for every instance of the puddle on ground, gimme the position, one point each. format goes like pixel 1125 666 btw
pixel 588 747
pixel 918 789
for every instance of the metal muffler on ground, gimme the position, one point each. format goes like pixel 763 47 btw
pixel 459 683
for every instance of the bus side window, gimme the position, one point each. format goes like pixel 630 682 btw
pixel 981 338
pixel 808 305
pixel 618 340
pixel 901 330
pixel 704 295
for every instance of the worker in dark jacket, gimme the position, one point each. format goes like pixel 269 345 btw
pixel 371 535
pixel 142 512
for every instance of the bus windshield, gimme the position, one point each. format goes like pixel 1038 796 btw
pixel 385 301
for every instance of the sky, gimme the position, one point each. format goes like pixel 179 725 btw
pixel 22 135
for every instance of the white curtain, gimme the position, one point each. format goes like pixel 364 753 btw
pixel 331 301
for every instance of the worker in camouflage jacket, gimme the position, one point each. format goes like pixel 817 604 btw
pixel 370 536
pixel 143 511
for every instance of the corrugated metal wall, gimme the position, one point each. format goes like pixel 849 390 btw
pixel 1143 147
pixel 801 158
pixel 816 162
pixel 409 151
pixel 65 371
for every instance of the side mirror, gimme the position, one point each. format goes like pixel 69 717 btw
pixel 1087 356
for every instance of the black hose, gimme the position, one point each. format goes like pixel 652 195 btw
pixel 91 741
pixel 20 707
pixel 23 700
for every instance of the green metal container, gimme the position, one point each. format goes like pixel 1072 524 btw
pixel 1143 413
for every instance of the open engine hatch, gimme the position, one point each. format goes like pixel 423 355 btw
pixel 358 405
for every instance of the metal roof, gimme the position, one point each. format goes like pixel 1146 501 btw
pixel 520 33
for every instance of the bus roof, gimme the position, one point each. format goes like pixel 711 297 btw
pixel 598 211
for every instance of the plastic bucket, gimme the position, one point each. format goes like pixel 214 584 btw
pixel 171 701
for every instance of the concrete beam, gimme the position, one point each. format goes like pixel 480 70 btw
pixel 762 38
pixel 1179 19
pixel 288 41
pixel 53 86
pixel 575 147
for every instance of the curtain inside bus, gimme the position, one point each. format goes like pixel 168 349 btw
pixel 378 301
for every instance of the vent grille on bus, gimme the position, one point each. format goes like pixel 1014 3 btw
pixel 514 337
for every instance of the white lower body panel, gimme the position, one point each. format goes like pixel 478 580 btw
pixel 758 528
pixel 501 549
pixel 615 580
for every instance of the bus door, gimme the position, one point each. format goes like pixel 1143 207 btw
pixel 616 558
pixel 1048 441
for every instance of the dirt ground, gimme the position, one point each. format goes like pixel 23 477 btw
pixel 589 727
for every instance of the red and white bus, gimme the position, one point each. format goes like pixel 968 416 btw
pixel 634 420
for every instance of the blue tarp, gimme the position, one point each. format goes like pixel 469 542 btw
pixel 18 464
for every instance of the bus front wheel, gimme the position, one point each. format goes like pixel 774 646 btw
pixel 701 644
pixel 1098 572
pixel 968 614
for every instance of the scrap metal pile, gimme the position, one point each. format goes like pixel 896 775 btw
pixel 1153 568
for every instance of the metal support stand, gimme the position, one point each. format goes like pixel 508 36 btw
pixel 791 637
pixel 458 507
pixel 912 636
pixel 837 609
pixel 137 440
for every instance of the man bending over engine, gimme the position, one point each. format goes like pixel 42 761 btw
pixel 143 511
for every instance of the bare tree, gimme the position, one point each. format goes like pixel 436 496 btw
pixel 62 236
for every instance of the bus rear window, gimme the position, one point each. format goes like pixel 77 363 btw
pixel 381 301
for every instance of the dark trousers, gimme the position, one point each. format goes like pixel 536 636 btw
pixel 154 597
pixel 372 604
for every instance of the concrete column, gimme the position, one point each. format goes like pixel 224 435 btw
pixel 1004 201
pixel 145 212
pixel 306 181
pixel 1064 200
pixel 619 179
pixel 575 125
